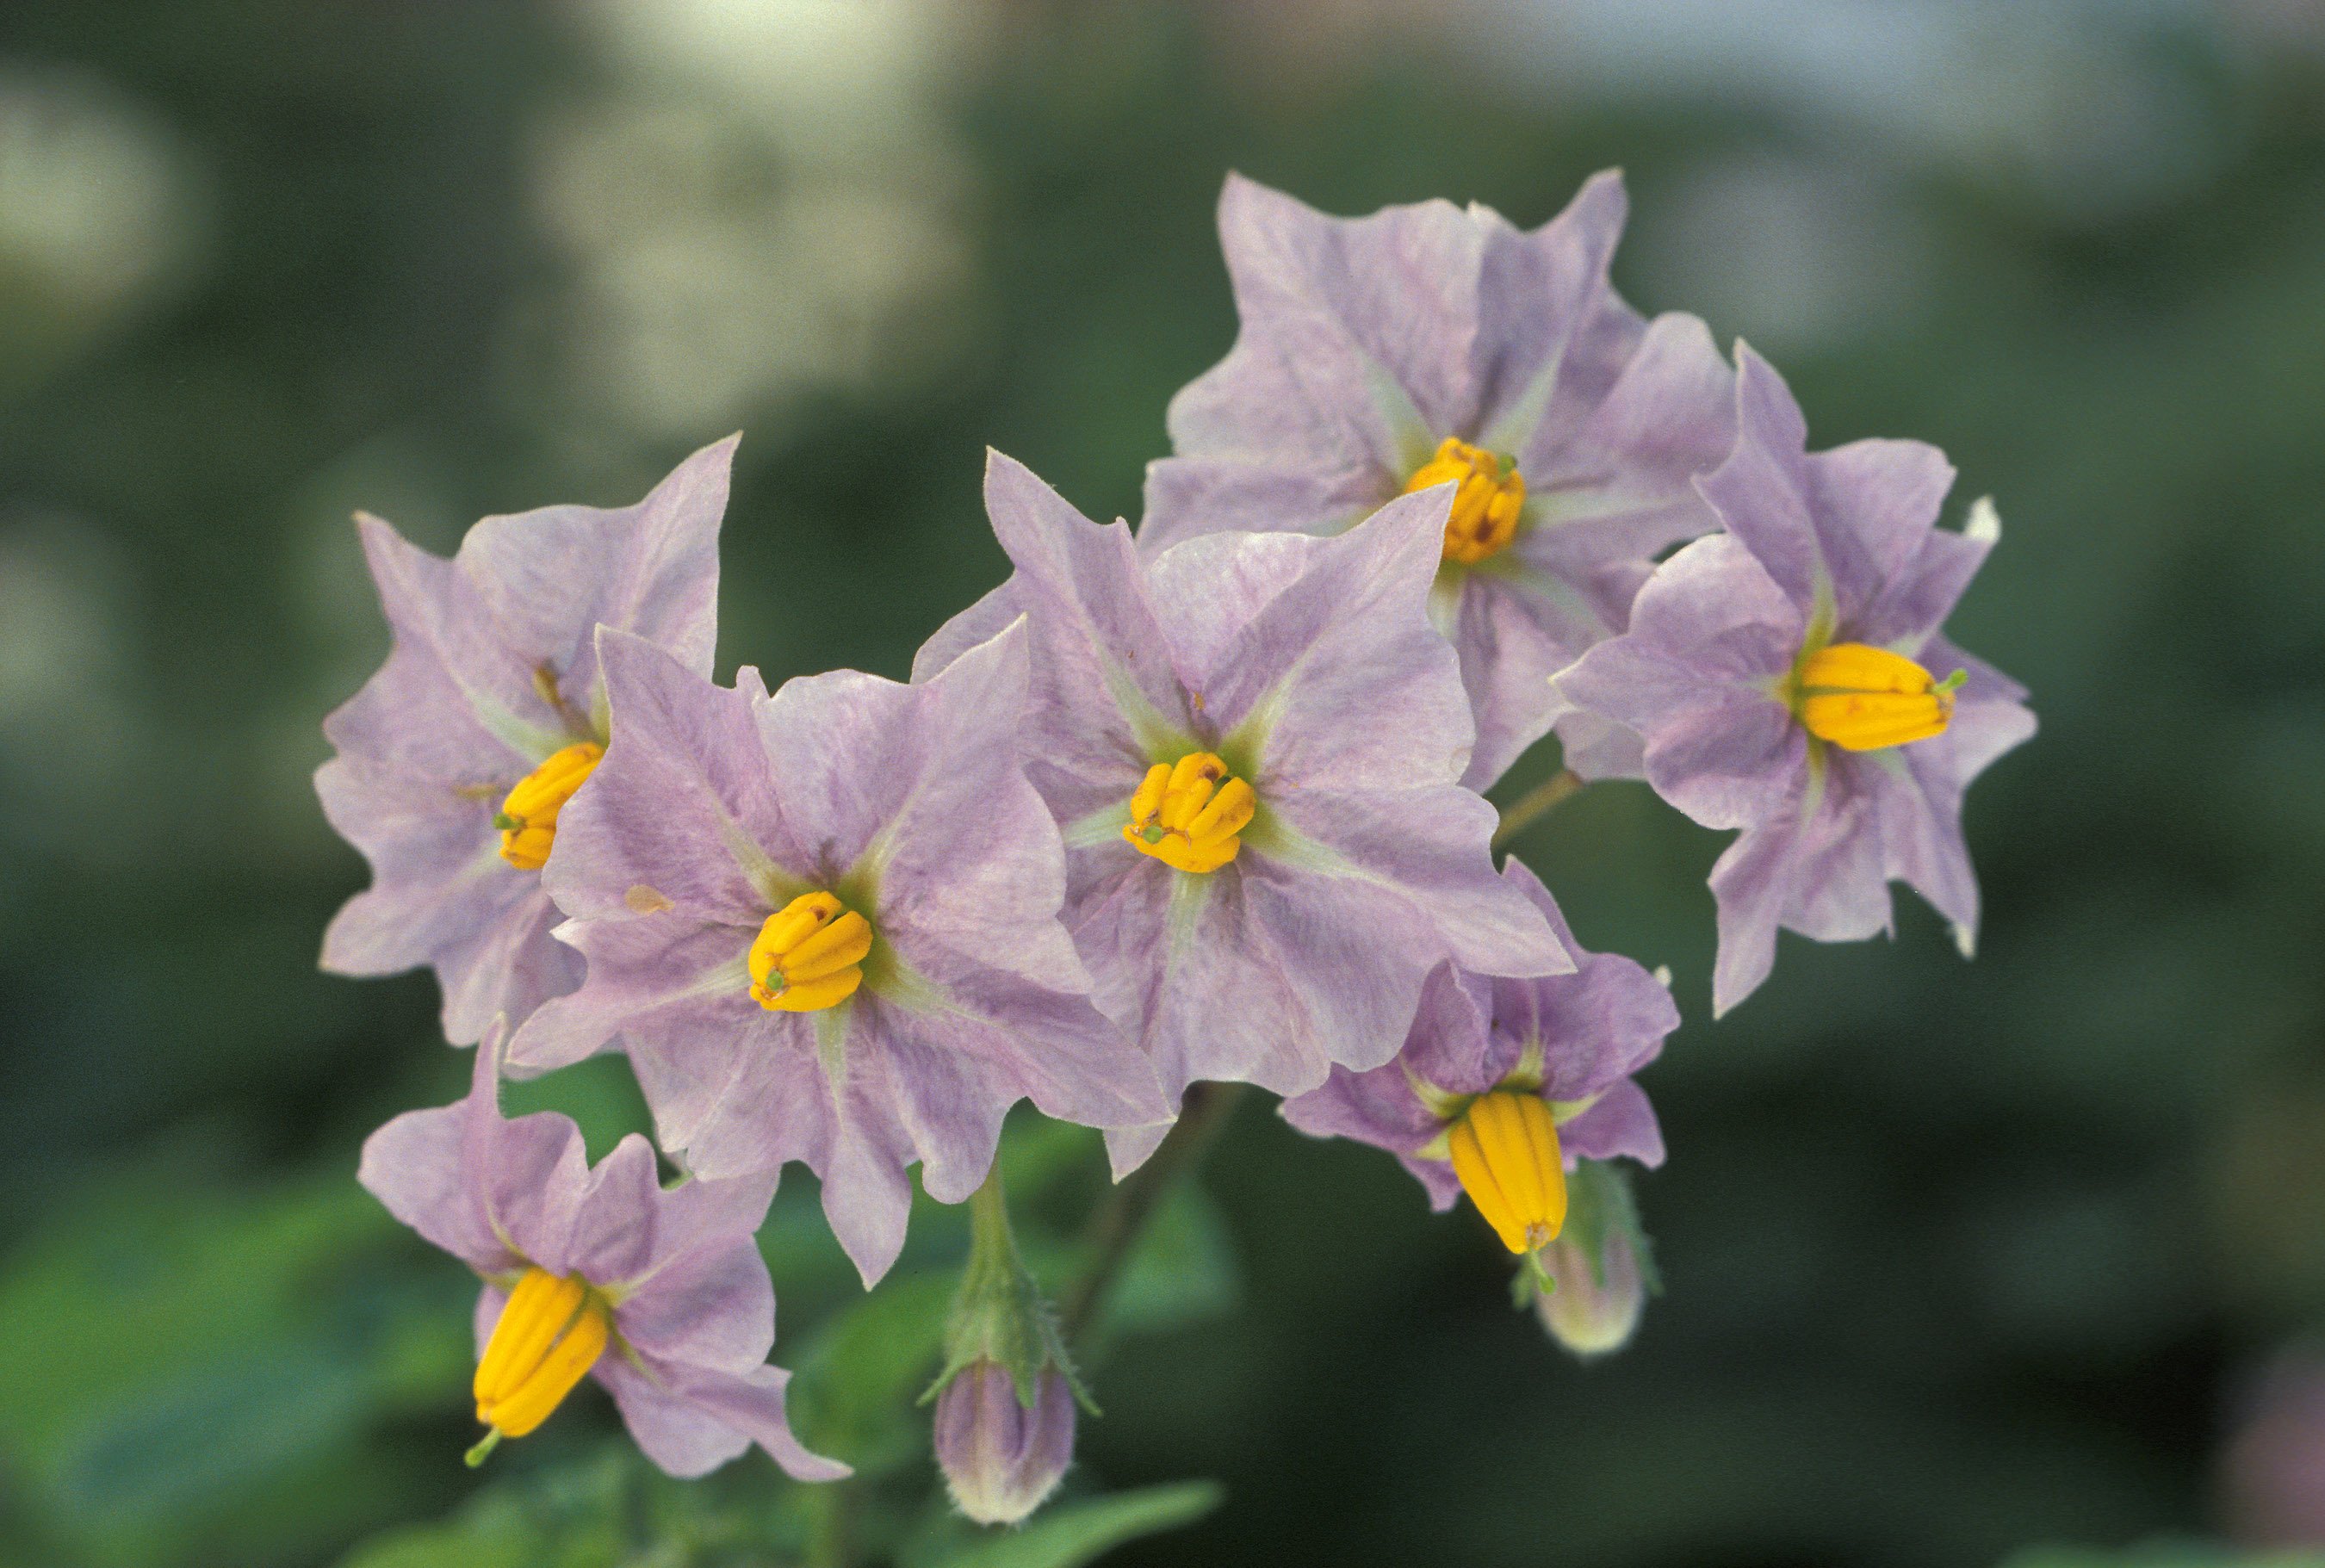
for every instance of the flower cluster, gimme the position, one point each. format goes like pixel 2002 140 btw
pixel 1199 803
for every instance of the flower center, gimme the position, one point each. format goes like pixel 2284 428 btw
pixel 1505 1151
pixel 1190 816
pixel 551 1333
pixel 1862 698
pixel 528 818
pixel 808 954
pixel 1485 507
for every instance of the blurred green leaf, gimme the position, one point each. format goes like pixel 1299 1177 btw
pixel 1183 1271
pixel 1069 1534
pixel 858 1380
pixel 612 1508
pixel 198 1373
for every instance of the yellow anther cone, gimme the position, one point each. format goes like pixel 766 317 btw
pixel 1190 814
pixel 1485 516
pixel 808 955
pixel 1862 698
pixel 1505 1151
pixel 550 1334
pixel 528 818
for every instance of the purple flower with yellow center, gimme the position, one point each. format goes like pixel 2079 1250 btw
pixel 1425 345
pixel 657 1293
pixel 456 760
pixel 825 923
pixel 1252 743
pixel 1788 678
pixel 1503 1084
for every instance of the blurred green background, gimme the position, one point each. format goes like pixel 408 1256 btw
pixel 1961 1258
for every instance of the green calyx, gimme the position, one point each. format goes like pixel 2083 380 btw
pixel 1599 1208
pixel 998 1314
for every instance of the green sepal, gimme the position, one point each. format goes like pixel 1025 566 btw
pixel 999 1313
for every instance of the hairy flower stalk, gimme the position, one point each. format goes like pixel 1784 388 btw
pixel 1004 1417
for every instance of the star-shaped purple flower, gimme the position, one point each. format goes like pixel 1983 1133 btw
pixel 1573 1040
pixel 1252 743
pixel 826 924
pixel 1756 657
pixel 1426 343
pixel 685 1312
pixel 491 697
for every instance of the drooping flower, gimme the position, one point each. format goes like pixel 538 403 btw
pixel 657 1293
pixel 1252 744
pixel 1004 1420
pixel 1503 1084
pixel 1426 344
pixel 456 759
pixel 825 923
pixel 1790 680
pixel 1002 1457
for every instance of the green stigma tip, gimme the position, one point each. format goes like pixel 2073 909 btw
pixel 476 1456
pixel 505 824
pixel 1955 682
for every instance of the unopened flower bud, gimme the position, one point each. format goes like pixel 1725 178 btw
pixel 1002 1457
pixel 1596 1307
pixel 1589 1284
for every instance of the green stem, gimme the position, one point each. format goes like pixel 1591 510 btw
pixel 1537 802
pixel 830 1543
pixel 988 1218
pixel 1115 1228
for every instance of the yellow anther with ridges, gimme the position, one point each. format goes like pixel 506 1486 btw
pixel 808 954
pixel 1484 508
pixel 528 818
pixel 1505 1151
pixel 551 1333
pixel 1189 816
pixel 1863 697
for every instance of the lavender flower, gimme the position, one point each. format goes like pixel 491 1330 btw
pixel 659 1293
pixel 826 924
pixel 1252 743
pixel 1424 345
pixel 1789 679
pixel 1503 1084
pixel 456 759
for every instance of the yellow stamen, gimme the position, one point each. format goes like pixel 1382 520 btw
pixel 1190 816
pixel 528 818
pixel 1862 698
pixel 551 1333
pixel 809 955
pixel 1505 1151
pixel 1484 508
